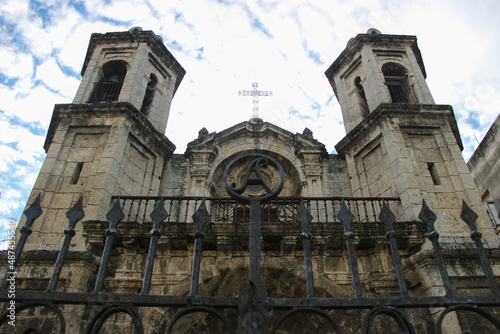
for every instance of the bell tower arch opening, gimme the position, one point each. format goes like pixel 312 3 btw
pixel 363 103
pixel 149 94
pixel 109 85
pixel 396 80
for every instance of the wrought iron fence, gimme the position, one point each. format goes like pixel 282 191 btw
pixel 252 310
pixel 280 210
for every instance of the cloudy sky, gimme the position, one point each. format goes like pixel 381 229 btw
pixel 226 45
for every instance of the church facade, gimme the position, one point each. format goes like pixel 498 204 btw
pixel 400 148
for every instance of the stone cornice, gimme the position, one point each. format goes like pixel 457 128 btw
pixel 108 110
pixel 386 110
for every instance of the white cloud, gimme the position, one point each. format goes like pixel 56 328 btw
pixel 52 76
pixel 15 64
pixel 9 201
pixel 30 104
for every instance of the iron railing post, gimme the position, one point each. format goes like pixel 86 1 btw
pixel 115 215
pixel 346 217
pixel 388 218
pixel 470 217
pixel 304 218
pixel 75 214
pixel 200 218
pixel 32 213
pixel 158 215
pixel 429 217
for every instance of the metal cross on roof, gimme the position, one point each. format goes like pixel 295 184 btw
pixel 255 93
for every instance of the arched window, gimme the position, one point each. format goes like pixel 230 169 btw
pixel 149 94
pixel 108 88
pixel 396 79
pixel 363 104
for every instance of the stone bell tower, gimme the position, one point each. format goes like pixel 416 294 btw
pixel 399 142
pixel 110 140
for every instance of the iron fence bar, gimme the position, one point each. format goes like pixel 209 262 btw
pixel 255 249
pixel 129 208
pixel 145 209
pixel 346 216
pixel 356 205
pixel 269 212
pixel 373 209
pixel 138 300
pixel 388 218
pixel 158 215
pixel 367 216
pixel 304 218
pixel 200 218
pixel 115 215
pixel 429 218
pixel 75 214
pixel 171 204
pixel 32 213
pixel 470 217
pixel 325 207
pixel 333 212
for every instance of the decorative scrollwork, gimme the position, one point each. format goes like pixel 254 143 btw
pixel 485 314
pixel 404 324
pixel 316 311
pixel 35 329
pixel 191 310
pixel 100 318
pixel 254 177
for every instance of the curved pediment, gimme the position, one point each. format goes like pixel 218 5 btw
pixel 256 135
pixel 299 154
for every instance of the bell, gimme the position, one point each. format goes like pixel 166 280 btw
pixel 115 78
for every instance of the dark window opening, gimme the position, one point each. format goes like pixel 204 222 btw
pixel 108 88
pixel 149 94
pixel 76 173
pixel 433 171
pixel 396 80
pixel 363 103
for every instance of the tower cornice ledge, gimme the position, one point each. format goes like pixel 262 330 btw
pixel 107 110
pixel 409 111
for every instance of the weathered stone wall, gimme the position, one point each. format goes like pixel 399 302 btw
pixel 94 151
pixel 484 164
pixel 413 152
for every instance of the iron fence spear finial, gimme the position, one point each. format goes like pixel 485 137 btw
pixel 346 217
pixel 429 218
pixel 469 216
pixel 32 213
pixel 74 215
pixel 201 217
pixel 304 218
pixel 115 215
pixel 158 215
pixel 388 218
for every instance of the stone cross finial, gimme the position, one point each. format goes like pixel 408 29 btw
pixel 255 93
